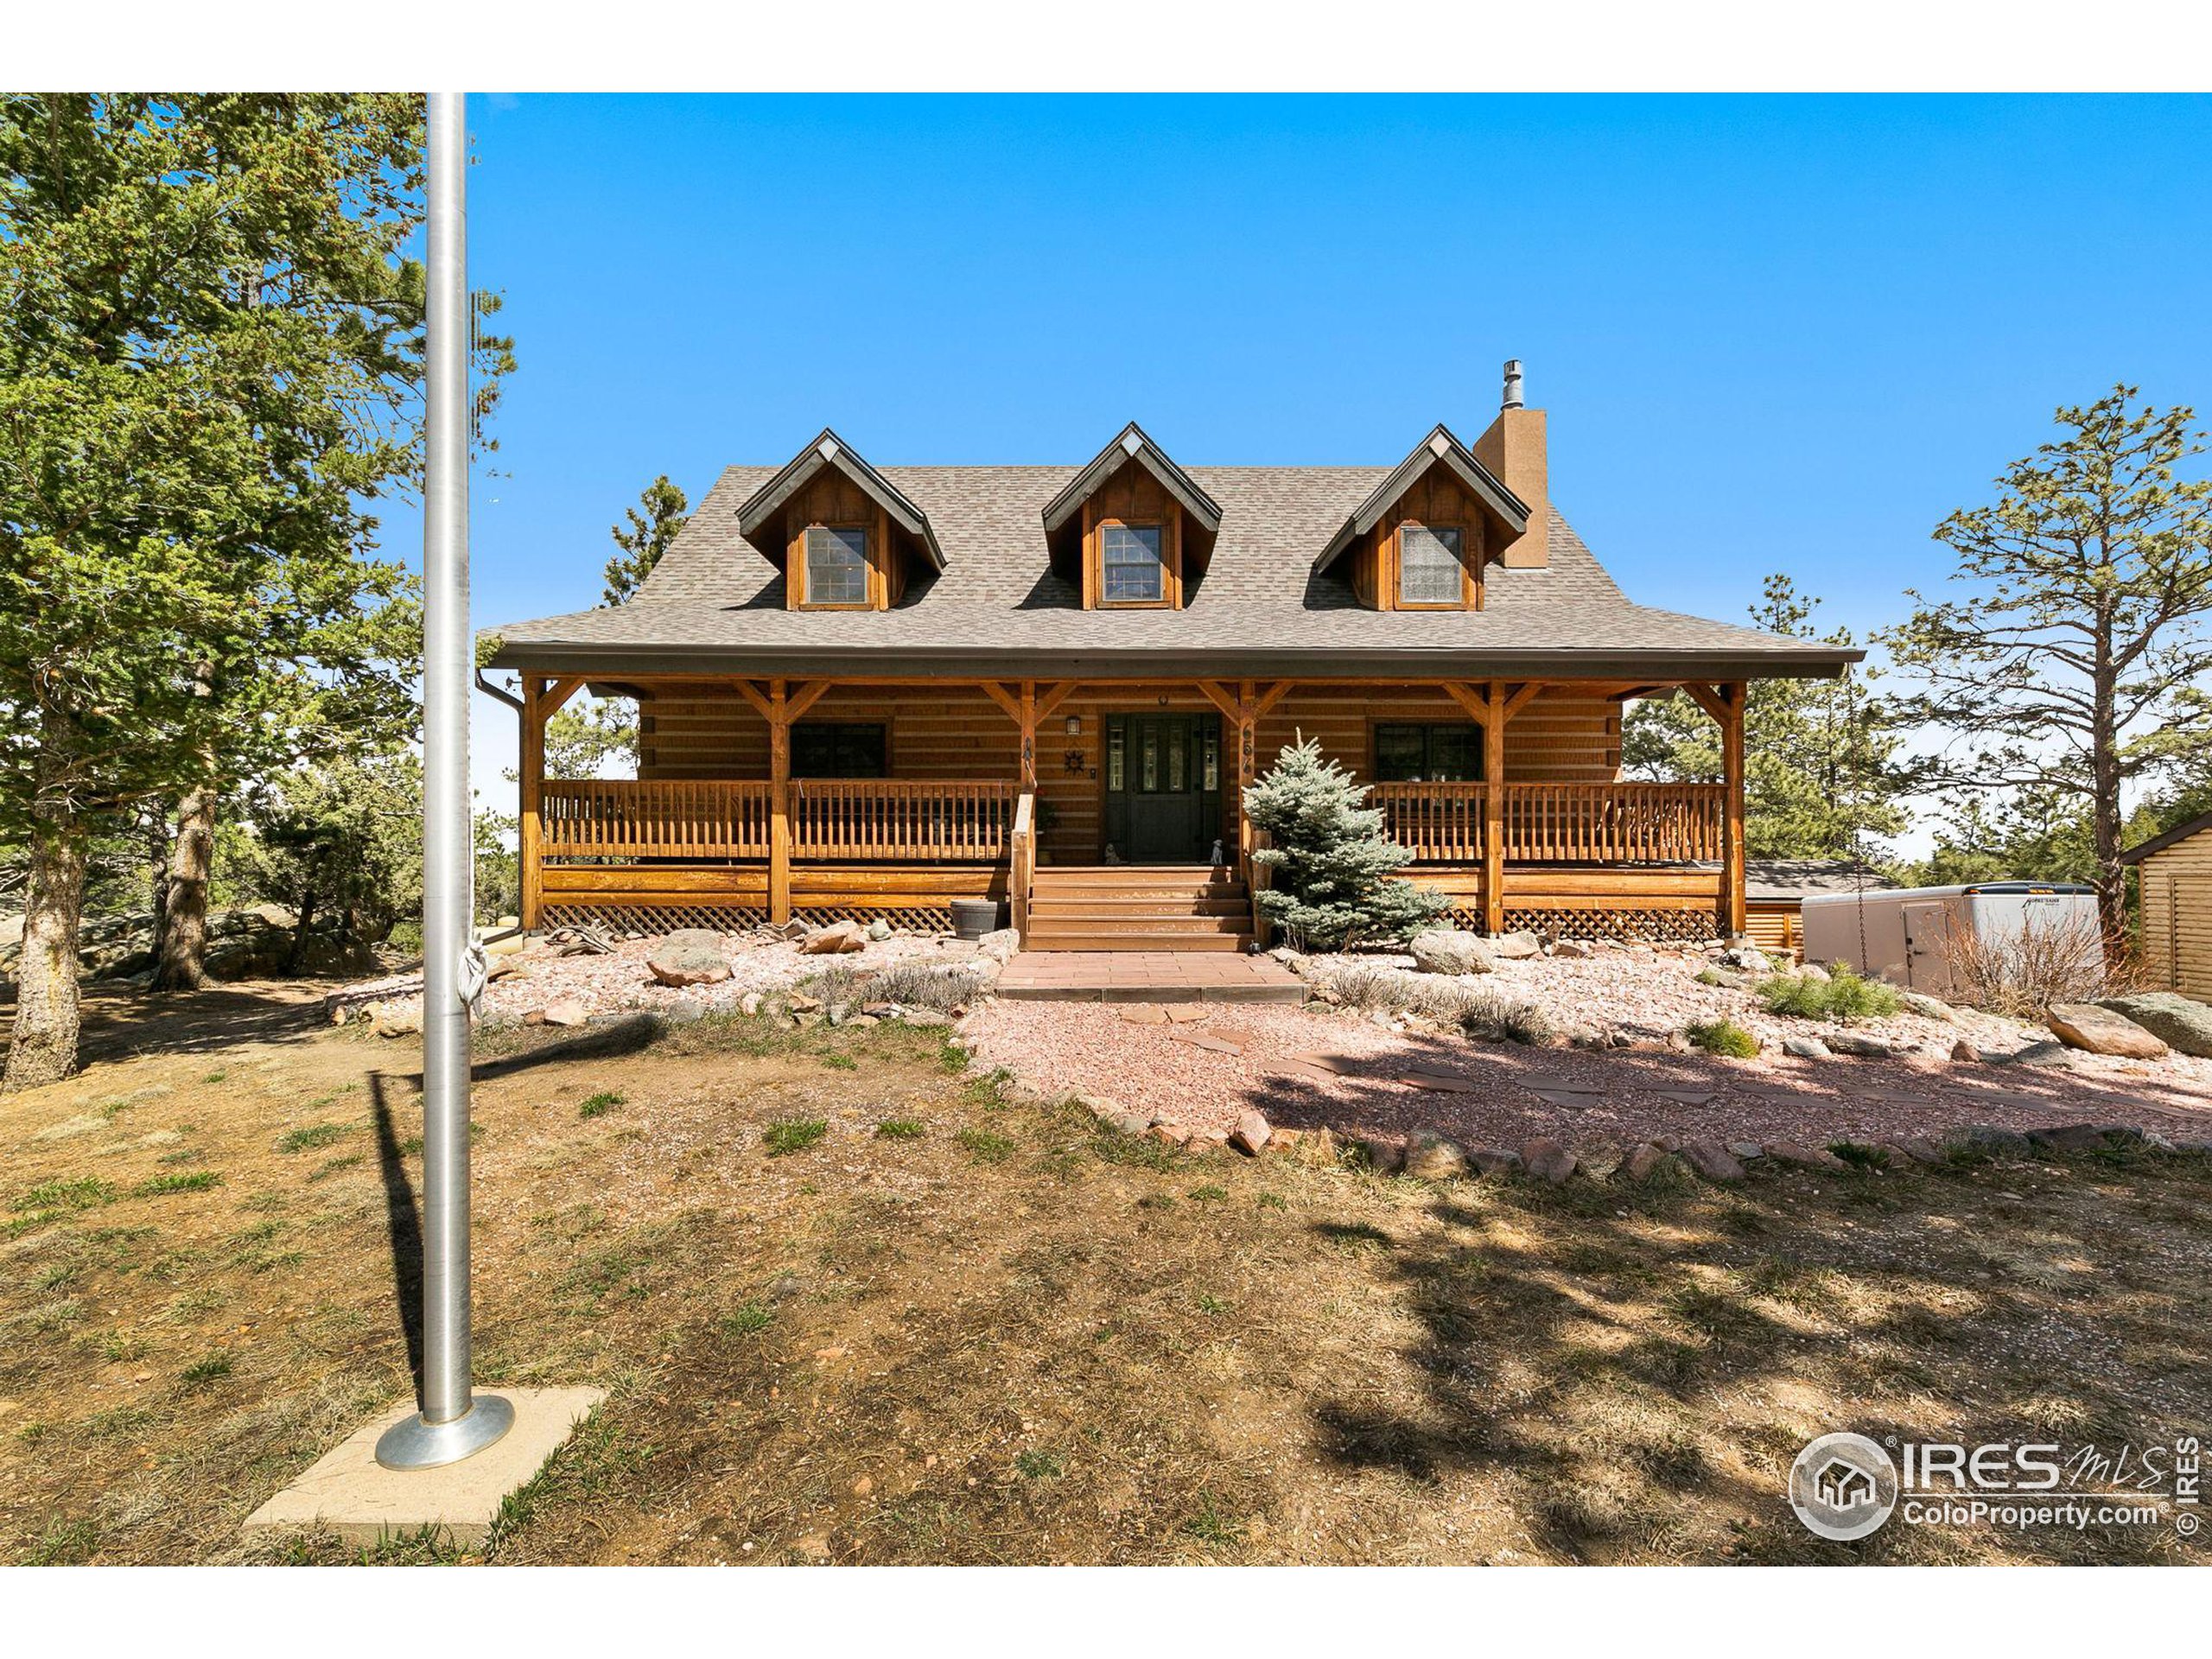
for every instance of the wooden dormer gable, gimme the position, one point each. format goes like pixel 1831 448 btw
pixel 1131 529
pixel 845 538
pixel 1438 509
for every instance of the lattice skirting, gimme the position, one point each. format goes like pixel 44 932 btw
pixel 731 919
pixel 1658 926
pixel 653 918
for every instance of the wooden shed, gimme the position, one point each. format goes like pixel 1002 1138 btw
pixel 2175 873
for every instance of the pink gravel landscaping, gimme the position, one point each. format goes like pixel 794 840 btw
pixel 1502 1094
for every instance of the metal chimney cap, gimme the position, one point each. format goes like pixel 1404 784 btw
pixel 1512 384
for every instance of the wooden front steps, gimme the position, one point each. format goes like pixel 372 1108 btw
pixel 1138 907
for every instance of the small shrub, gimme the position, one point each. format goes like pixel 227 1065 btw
pixel 943 987
pixel 1843 995
pixel 789 1135
pixel 984 1147
pixel 1723 1037
pixel 599 1105
pixel 87 1193
pixel 1858 1156
pixel 198 1181
pixel 2021 974
pixel 201 1372
pixel 1210 1524
pixel 746 1320
pixel 314 1135
pixel 1717 980
pixel 67 1543
pixel 898 1128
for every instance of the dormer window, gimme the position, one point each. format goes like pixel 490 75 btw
pixel 836 564
pixel 1431 570
pixel 1135 573
pixel 1131 529
pixel 1422 539
pixel 846 538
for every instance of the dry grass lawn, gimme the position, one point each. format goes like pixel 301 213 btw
pixel 854 1306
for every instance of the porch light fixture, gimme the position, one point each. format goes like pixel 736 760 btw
pixel 1075 725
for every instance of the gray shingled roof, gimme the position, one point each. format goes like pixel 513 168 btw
pixel 715 604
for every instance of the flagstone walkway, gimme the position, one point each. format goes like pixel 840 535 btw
pixel 1147 976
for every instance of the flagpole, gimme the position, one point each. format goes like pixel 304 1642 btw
pixel 454 1421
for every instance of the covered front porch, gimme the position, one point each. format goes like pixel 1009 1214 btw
pixel 1103 785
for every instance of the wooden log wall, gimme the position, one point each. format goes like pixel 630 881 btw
pixel 957 732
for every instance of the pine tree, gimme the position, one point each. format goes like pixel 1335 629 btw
pixel 1820 763
pixel 648 535
pixel 2069 666
pixel 1335 870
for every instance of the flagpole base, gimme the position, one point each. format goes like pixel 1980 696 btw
pixel 410 1443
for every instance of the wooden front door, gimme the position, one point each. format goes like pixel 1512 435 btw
pixel 1163 787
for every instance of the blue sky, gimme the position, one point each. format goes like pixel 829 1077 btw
pixel 1772 333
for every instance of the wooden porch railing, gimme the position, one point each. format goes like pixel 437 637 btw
pixel 894 818
pixel 619 819
pixel 1558 823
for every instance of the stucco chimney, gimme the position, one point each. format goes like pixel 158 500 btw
pixel 1514 449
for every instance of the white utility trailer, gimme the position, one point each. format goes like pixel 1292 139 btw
pixel 1911 936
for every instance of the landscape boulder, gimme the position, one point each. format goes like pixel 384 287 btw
pixel 1712 1161
pixel 1496 1161
pixel 1866 1048
pixel 1989 1139
pixel 1807 1048
pixel 1646 1157
pixel 1598 1158
pixel 1547 1159
pixel 834 940
pixel 1516 947
pixel 1251 1133
pixel 566 1011
pixel 1926 1007
pixel 1433 1157
pixel 2182 1022
pixel 1000 945
pixel 691 956
pixel 1570 948
pixel 2101 1031
pixel 1449 951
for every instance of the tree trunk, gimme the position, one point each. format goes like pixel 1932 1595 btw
pixel 158 840
pixel 183 923
pixel 2104 798
pixel 44 1046
pixel 296 962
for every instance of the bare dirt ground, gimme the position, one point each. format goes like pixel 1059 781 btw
pixel 997 1332
pixel 1383 1083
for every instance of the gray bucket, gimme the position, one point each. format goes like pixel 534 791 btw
pixel 973 918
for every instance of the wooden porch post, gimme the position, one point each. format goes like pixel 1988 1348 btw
pixel 779 802
pixel 1733 916
pixel 532 774
pixel 1494 718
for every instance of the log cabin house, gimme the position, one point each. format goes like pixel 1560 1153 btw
pixel 870 692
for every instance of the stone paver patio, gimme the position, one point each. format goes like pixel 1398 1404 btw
pixel 1147 976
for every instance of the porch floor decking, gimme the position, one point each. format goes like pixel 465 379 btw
pixel 1147 976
